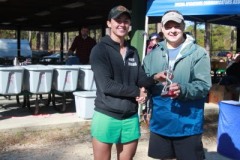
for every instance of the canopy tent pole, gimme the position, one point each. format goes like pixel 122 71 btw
pixel 145 38
pixel 137 32
pixel 195 29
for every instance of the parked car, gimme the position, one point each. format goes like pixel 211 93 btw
pixel 8 48
pixel 54 58
pixel 40 54
pixel 222 53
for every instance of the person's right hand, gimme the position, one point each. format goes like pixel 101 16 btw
pixel 161 76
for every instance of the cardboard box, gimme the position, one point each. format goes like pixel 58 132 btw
pixel 218 93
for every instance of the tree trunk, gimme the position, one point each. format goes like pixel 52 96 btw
pixel 65 41
pixel 30 38
pixel 44 40
pixel 207 43
pixel 232 38
pixel 38 35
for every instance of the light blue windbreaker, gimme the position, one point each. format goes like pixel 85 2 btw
pixel 184 115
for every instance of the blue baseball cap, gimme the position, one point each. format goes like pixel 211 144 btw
pixel 154 36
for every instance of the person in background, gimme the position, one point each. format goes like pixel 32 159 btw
pixel 233 59
pixel 222 60
pixel 82 44
pixel 154 38
pixel 234 69
pixel 161 36
pixel 176 123
pixel 236 55
pixel 120 82
pixel 229 56
pixel 232 77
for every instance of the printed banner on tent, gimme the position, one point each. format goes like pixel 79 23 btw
pixel 194 7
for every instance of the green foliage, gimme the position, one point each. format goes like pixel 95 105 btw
pixel 199 35
pixel 7 34
pixel 220 37
pixel 152 28
pixel 24 35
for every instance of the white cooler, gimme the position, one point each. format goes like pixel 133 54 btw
pixel 86 78
pixel 38 79
pixel 84 103
pixel 11 79
pixel 65 77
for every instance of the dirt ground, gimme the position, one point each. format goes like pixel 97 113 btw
pixel 75 143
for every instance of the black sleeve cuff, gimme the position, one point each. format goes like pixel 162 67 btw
pixel 155 81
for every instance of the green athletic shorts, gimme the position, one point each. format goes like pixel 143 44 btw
pixel 110 130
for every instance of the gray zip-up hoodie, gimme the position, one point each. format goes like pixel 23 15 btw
pixel 117 79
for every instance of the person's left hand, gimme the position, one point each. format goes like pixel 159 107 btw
pixel 142 97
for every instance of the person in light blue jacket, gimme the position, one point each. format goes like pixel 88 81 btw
pixel 176 123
